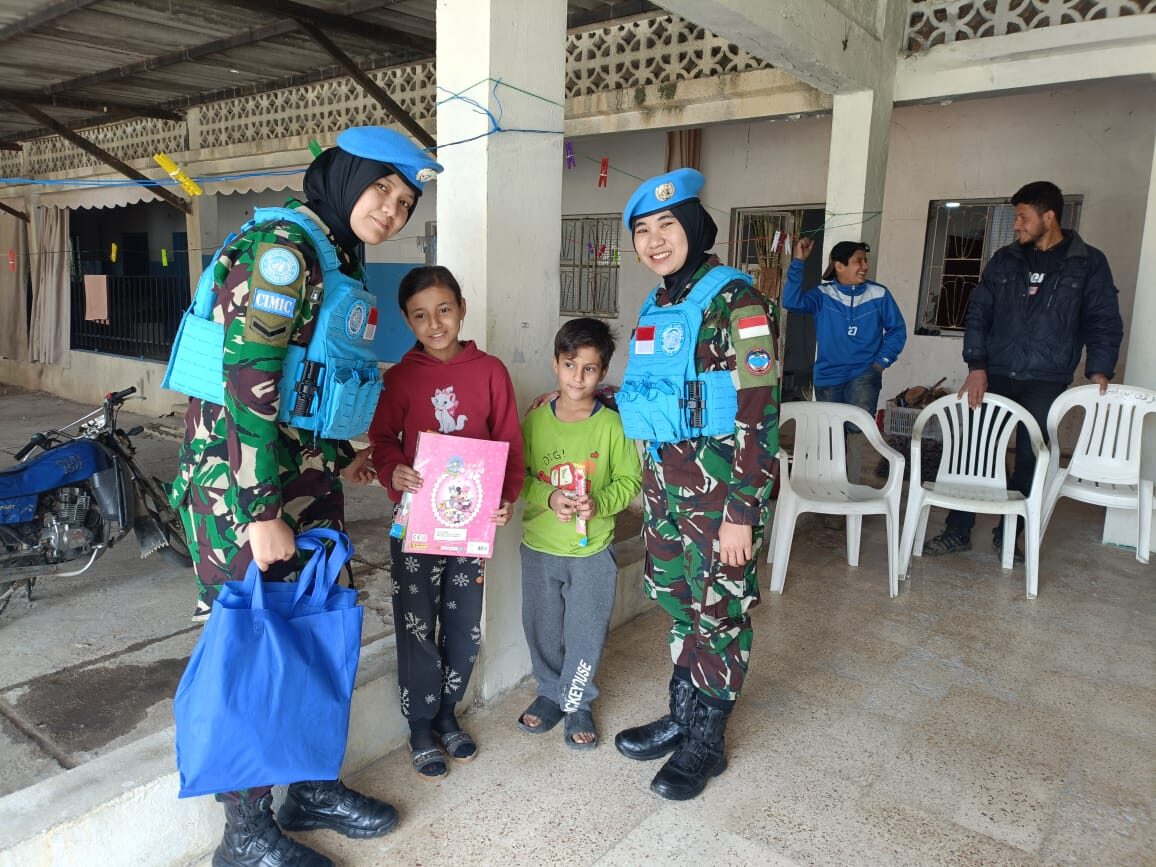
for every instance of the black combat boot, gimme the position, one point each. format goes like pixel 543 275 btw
pixel 664 735
pixel 252 839
pixel 329 804
pixel 701 756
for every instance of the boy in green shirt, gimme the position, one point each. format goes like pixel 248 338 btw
pixel 581 472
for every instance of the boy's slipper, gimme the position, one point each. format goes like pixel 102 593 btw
pixel 429 763
pixel 580 722
pixel 547 712
pixel 458 744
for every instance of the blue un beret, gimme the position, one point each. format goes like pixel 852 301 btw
pixel 662 192
pixel 389 146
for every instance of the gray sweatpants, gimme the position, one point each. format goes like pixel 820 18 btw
pixel 566 607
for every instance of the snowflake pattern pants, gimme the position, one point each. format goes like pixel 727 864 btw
pixel 437 611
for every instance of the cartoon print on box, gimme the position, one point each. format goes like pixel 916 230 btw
pixel 445 403
pixel 457 493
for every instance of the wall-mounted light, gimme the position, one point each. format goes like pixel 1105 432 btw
pixel 951 204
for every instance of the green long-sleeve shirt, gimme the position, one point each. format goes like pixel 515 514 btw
pixel 613 472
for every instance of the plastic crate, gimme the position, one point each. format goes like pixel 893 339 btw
pixel 900 421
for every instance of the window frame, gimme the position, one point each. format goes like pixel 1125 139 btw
pixel 591 253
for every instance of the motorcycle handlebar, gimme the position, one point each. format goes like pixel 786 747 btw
pixel 32 443
pixel 118 396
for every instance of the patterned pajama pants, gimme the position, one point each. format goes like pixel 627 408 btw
pixel 709 603
pixel 437 612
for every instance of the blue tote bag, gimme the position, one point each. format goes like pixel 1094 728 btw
pixel 265 697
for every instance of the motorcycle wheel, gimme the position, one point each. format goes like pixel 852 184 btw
pixel 176 552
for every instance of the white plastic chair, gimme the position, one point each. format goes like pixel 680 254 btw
pixel 973 476
pixel 816 481
pixel 1105 465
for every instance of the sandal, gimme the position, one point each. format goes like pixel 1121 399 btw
pixel 459 745
pixel 547 712
pixel 429 763
pixel 580 722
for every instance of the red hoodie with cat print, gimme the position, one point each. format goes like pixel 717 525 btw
pixel 470 395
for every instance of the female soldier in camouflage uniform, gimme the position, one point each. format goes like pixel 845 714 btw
pixel 707 471
pixel 248 482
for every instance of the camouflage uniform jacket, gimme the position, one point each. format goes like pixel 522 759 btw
pixel 239 451
pixel 753 364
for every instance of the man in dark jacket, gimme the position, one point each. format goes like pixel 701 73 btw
pixel 1039 302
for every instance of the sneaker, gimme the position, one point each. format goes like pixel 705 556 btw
pixel 947 542
pixel 201 611
pixel 997 543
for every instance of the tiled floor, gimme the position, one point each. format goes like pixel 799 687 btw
pixel 957 724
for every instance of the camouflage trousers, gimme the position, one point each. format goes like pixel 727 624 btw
pixel 220 546
pixel 709 603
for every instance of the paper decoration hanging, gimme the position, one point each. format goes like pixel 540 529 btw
pixel 178 174
pixel 570 160
pixel 315 148
pixel 112 253
pixel 164 258
pixel 604 172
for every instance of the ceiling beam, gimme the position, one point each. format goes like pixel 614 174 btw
pixel 101 154
pixel 332 21
pixel 98 107
pixel 48 13
pixel 20 215
pixel 372 87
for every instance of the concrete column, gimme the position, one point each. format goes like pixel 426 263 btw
pixel 499 231
pixel 202 229
pixel 860 130
pixel 1140 367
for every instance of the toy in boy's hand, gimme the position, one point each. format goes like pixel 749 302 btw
pixel 570 479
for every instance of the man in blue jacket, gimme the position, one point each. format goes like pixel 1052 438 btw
pixel 860 331
pixel 1039 302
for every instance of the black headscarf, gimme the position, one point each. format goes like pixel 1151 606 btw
pixel 701 232
pixel 333 184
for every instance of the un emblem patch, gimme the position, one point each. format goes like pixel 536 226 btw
pixel 278 267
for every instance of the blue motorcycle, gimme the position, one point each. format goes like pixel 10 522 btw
pixel 79 495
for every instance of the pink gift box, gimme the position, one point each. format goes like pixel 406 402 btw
pixel 461 488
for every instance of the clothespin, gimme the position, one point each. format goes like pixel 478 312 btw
pixel 601 251
pixel 178 174
pixel 12 261
pixel 604 171
pixel 775 241
pixel 570 161
pixel 616 262
pixel 164 258
pixel 590 248
pixel 787 247
pixel 315 148
pixel 112 253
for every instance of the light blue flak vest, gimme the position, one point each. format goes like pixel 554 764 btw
pixel 337 399
pixel 663 398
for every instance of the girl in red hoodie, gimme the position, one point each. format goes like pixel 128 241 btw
pixel 451 387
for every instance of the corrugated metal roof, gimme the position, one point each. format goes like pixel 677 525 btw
pixel 86 61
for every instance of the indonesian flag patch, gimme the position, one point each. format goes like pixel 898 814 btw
pixel 370 324
pixel 644 340
pixel 754 326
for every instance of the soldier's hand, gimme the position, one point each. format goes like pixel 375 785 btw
pixel 406 479
pixel 361 471
pixel 543 398
pixel 735 543
pixel 803 247
pixel 974 386
pixel 1100 380
pixel 271 542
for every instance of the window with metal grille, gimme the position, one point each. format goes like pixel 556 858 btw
pixel 589 265
pixel 961 237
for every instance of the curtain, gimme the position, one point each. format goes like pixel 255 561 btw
pixel 13 288
pixel 684 149
pixel 51 305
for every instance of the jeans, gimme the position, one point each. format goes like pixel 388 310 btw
pixel 1037 398
pixel 863 392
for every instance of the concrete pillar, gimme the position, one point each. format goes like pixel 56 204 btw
pixel 1140 367
pixel 857 167
pixel 499 206
pixel 204 236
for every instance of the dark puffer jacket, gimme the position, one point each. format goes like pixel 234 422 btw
pixel 1010 334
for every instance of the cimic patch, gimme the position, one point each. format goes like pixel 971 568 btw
pixel 275 303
